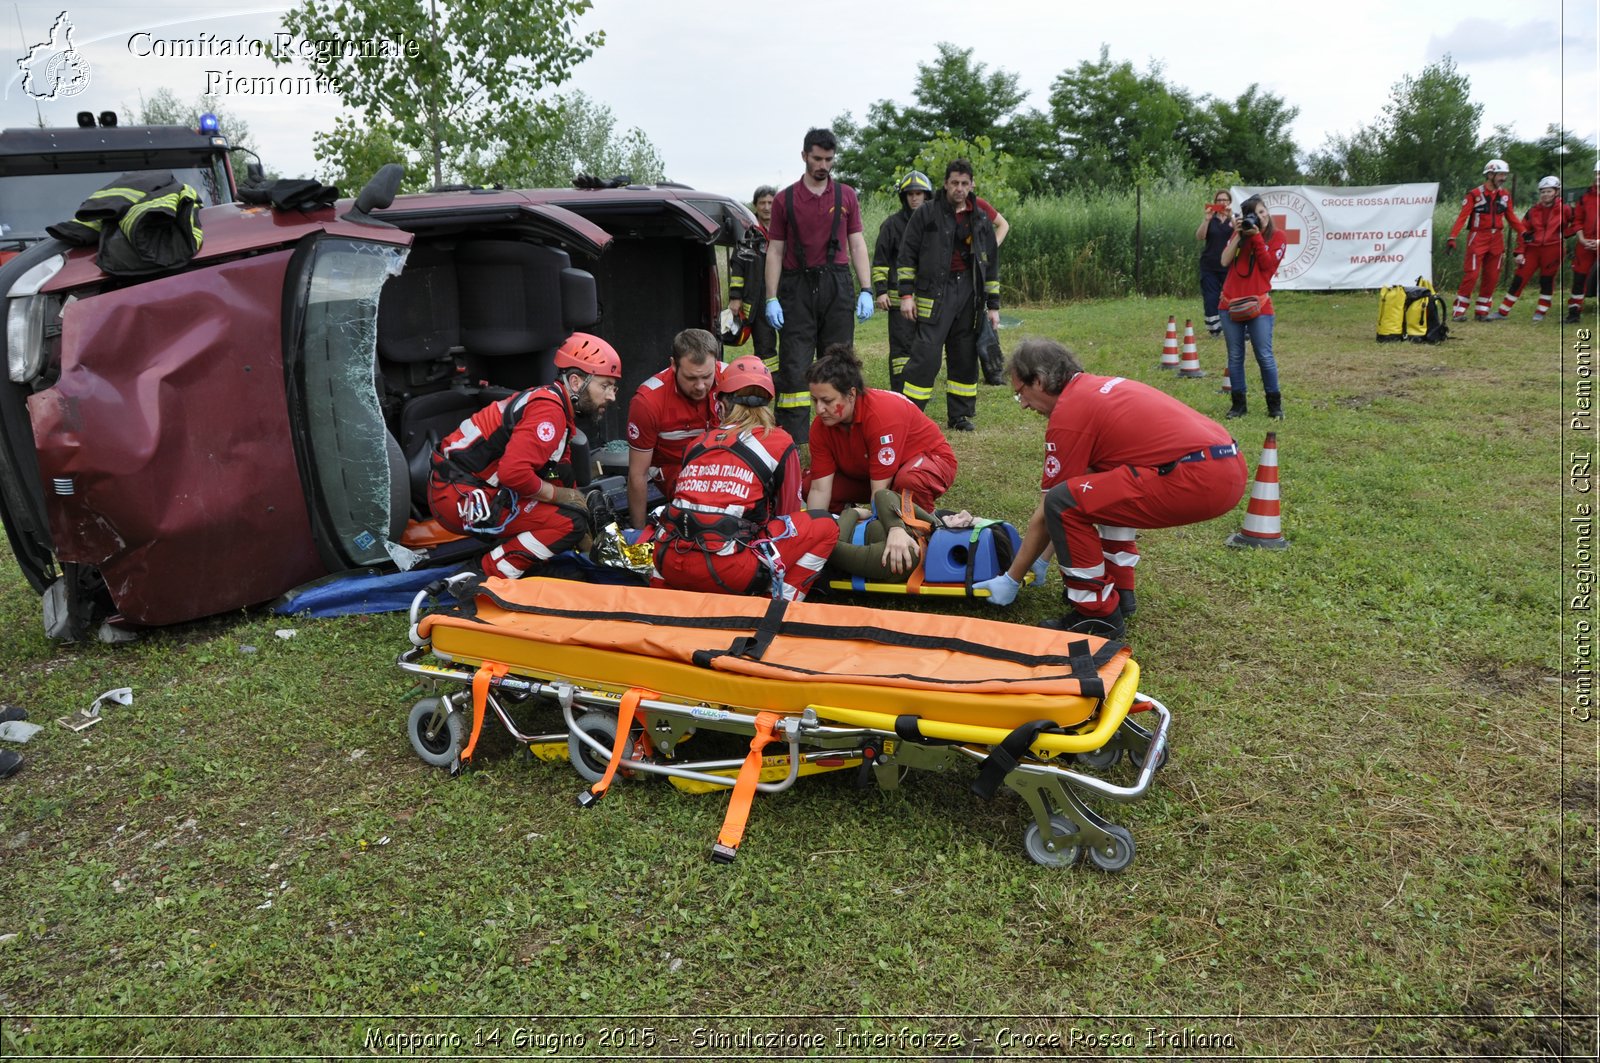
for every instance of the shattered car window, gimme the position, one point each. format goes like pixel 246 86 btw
pixel 358 467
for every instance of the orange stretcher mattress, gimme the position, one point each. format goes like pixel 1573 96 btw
pixel 774 656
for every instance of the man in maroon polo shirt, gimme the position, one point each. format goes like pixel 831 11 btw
pixel 815 243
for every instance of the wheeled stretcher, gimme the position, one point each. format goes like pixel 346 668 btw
pixel 639 673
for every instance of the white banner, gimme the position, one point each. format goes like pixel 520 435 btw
pixel 1365 237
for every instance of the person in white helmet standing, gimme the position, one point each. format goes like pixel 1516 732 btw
pixel 1543 241
pixel 1486 211
pixel 1586 226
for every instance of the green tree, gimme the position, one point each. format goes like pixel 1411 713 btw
pixel 1558 152
pixel 352 152
pixel 996 175
pixel 581 139
pixel 452 74
pixel 957 99
pixel 1249 135
pixel 1428 131
pixel 1347 159
pixel 1111 118
pixel 1429 128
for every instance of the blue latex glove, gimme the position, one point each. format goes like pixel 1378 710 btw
pixel 1002 589
pixel 863 306
pixel 1041 571
pixel 775 314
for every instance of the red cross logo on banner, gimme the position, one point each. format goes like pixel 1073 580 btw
pixel 1280 222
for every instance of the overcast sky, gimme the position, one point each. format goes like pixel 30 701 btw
pixel 727 90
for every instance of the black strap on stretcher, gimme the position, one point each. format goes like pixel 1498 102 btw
pixel 1005 757
pixel 752 646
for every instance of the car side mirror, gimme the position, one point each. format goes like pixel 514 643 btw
pixel 379 192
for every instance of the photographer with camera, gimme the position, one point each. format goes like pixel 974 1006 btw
pixel 1251 256
pixel 1214 229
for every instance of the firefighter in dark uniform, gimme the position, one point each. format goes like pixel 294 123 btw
pixel 815 245
pixel 914 189
pixel 747 279
pixel 948 275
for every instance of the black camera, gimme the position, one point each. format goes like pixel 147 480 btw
pixel 1250 221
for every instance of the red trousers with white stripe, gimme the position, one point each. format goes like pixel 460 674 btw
pixel 536 532
pixel 1090 518
pixel 684 566
pixel 1483 260
pixel 927 478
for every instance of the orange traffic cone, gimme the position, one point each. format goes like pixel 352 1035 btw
pixel 1169 346
pixel 1227 383
pixel 1190 365
pixel 1263 518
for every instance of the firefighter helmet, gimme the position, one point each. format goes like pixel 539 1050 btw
pixel 1549 182
pixel 744 372
pixel 735 330
pixel 1496 166
pixel 589 354
pixel 915 181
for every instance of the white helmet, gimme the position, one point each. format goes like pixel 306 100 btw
pixel 1549 182
pixel 1496 166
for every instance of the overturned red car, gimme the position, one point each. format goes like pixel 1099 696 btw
pixel 206 438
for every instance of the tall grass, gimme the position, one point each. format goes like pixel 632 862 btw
pixel 1116 243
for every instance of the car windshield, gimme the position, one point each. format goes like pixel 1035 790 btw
pixel 30 202
pixel 355 465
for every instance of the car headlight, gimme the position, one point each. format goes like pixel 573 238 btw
pixel 25 320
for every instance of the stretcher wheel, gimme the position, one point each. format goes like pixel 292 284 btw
pixel 602 727
pixel 1116 854
pixel 1101 759
pixel 441 745
pixel 1138 758
pixel 1064 855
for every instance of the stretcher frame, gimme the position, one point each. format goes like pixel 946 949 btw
pixel 1063 830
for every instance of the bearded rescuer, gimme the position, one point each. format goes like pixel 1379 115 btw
pixel 506 474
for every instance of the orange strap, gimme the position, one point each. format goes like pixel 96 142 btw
pixel 619 745
pixel 486 673
pixel 744 790
pixel 921 531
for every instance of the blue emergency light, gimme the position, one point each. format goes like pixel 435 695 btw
pixel 208 123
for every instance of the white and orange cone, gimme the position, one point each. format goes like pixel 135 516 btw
pixel 1169 346
pixel 1189 365
pixel 1227 382
pixel 1263 517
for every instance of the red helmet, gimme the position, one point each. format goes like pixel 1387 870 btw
pixel 743 372
pixel 589 354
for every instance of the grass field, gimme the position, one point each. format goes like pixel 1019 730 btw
pixel 1375 837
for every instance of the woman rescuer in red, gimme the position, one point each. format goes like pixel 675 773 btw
pixel 865 439
pixel 1119 455
pixel 735 523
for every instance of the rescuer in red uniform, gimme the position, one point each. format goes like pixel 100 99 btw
pixel 668 412
pixel 1586 227
pixel 865 439
pixel 506 474
pixel 1486 211
pixel 1118 454
pixel 735 524
pixel 1547 223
